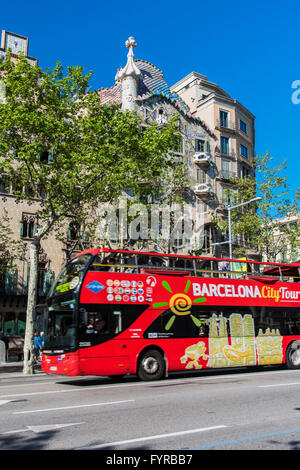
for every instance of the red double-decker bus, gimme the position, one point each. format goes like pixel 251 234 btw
pixel 114 312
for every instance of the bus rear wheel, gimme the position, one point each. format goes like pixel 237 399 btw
pixel 151 366
pixel 293 355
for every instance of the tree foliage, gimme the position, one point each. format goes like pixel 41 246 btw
pixel 260 222
pixel 9 247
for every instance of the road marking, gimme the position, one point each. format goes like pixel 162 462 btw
pixel 3 402
pixel 249 438
pixel 176 381
pixel 104 387
pixel 151 438
pixel 279 385
pixel 41 428
pixel 72 407
pixel 49 392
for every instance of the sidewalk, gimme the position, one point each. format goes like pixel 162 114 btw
pixel 16 367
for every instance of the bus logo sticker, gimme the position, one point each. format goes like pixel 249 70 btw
pixel 151 281
pixel 180 304
pixel 95 286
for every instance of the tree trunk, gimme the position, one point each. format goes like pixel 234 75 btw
pixel 31 302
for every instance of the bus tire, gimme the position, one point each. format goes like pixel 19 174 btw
pixel 151 365
pixel 293 355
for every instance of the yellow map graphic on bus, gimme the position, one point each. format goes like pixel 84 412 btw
pixel 244 349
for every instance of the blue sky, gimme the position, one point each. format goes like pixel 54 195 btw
pixel 250 49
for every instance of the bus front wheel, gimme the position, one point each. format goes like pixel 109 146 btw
pixel 151 366
pixel 293 355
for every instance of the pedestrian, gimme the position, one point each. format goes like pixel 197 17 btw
pixel 37 345
pixel 5 339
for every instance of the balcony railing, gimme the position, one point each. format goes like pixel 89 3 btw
pixel 226 175
pixel 226 124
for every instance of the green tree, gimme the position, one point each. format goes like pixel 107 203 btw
pixel 9 247
pixel 259 222
pixel 70 154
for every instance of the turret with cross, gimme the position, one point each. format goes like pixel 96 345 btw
pixel 129 76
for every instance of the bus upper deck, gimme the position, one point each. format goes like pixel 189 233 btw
pixel 187 265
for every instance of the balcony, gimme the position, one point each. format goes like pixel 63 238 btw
pixel 203 190
pixel 226 175
pixel 202 158
pixel 227 125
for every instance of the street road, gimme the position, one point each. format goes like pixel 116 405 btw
pixel 201 410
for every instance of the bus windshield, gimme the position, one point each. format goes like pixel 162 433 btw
pixel 60 325
pixel 70 275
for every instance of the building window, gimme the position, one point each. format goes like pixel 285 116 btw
pixel 202 145
pixel 225 169
pixel 225 147
pixel 199 145
pixel 224 119
pixel 73 232
pixel 243 127
pixel 244 151
pixel 28 226
pixel 46 157
pixel 180 146
pixel 201 176
pixel 4 184
pixel 245 172
pixel 228 198
pixel 162 117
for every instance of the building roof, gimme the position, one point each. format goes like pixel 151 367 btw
pixel 151 83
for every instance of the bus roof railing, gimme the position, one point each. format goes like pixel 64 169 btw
pixel 181 271
pixel 204 258
pixel 272 271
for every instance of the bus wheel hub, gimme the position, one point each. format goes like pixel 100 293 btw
pixel 150 365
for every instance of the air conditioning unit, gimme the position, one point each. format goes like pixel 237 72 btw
pixel 202 158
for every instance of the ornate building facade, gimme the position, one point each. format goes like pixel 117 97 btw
pixel 140 87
